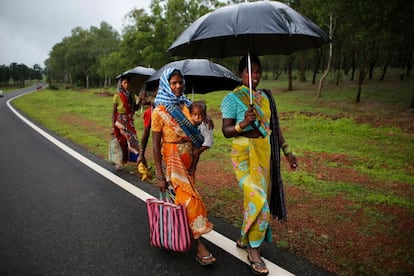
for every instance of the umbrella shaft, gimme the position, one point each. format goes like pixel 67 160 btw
pixel 249 70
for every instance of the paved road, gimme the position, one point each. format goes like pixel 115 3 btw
pixel 64 211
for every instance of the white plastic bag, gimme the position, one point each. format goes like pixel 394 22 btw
pixel 115 152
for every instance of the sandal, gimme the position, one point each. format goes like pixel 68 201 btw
pixel 240 245
pixel 206 260
pixel 258 268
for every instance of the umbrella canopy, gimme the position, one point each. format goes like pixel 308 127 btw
pixel 137 77
pixel 201 76
pixel 259 28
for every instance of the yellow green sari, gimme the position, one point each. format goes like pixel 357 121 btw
pixel 256 164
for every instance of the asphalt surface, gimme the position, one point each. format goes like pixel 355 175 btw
pixel 59 216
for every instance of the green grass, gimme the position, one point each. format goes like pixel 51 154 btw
pixel 310 124
pixel 368 139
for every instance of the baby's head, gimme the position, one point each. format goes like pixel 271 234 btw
pixel 198 112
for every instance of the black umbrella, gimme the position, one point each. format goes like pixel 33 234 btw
pixel 137 77
pixel 201 76
pixel 259 28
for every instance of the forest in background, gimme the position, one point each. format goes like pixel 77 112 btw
pixel 366 35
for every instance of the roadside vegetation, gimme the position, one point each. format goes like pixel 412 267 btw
pixel 350 203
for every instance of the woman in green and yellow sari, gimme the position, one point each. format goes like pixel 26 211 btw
pixel 255 155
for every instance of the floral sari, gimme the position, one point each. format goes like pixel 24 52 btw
pixel 125 126
pixel 177 157
pixel 252 161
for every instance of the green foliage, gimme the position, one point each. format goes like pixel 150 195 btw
pixel 366 143
pixel 77 58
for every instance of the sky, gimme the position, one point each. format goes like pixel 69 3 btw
pixel 30 28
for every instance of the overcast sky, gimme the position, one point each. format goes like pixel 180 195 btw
pixel 30 28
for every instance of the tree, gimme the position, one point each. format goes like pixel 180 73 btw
pixel 145 40
pixel 290 59
pixel 328 67
pixel 151 35
pixel 106 44
pixel 37 73
pixel 56 67
pixel 4 74
pixel 412 98
pixel 110 66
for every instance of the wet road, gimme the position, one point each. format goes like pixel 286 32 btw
pixel 65 211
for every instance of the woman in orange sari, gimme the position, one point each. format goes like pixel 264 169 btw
pixel 174 137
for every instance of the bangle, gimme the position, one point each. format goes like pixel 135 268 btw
pixel 238 128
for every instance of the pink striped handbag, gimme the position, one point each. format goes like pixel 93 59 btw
pixel 168 225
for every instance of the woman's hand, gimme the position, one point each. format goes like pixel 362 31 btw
pixel 293 162
pixel 249 117
pixel 141 158
pixel 162 183
pixel 209 122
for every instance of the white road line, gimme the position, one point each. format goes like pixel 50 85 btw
pixel 214 237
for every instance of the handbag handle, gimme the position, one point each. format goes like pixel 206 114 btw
pixel 168 195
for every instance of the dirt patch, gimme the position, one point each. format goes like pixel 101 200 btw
pixel 104 94
pixel 333 232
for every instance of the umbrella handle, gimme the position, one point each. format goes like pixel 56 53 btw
pixel 253 124
pixel 249 70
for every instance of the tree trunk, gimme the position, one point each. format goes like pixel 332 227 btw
pixel 372 64
pixel 316 64
pixel 384 70
pixel 328 66
pixel 412 101
pixel 106 81
pixel 360 81
pixel 386 63
pixel 338 72
pixel 362 74
pixel 302 69
pixel 290 60
pixel 353 66
pixel 410 62
pixel 290 86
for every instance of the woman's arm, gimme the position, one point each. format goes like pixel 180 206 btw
pixel 196 158
pixel 156 148
pixel 231 129
pixel 144 143
pixel 293 162
pixel 114 111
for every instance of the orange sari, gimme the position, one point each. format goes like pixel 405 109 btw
pixel 177 157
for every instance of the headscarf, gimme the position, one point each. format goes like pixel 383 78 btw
pixel 129 96
pixel 168 99
pixel 165 96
